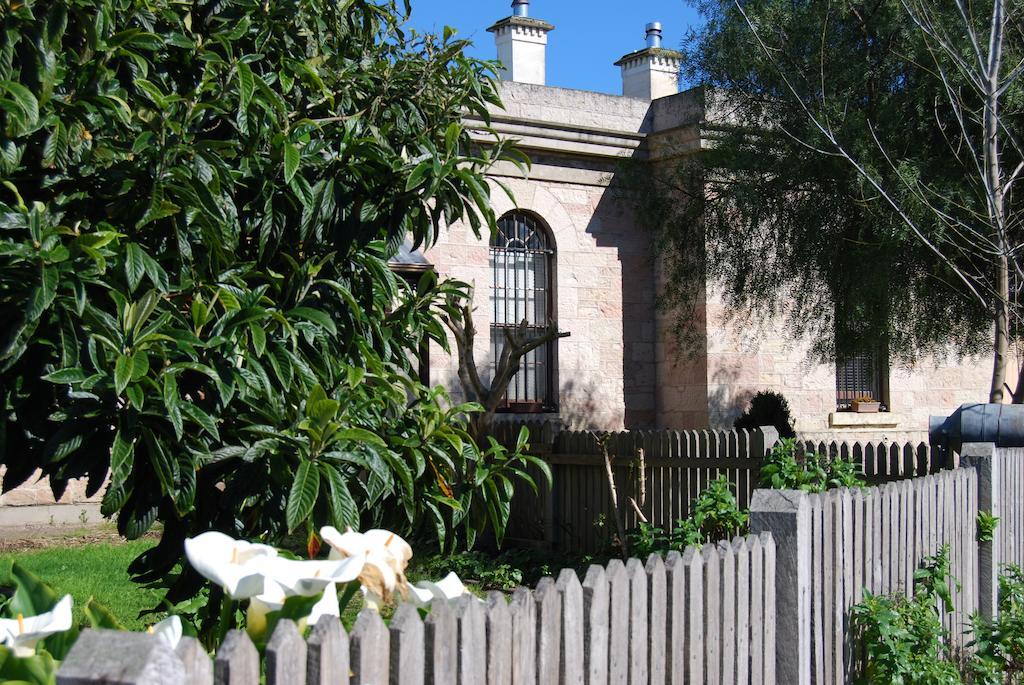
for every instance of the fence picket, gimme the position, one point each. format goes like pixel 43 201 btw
pixel 499 640
pixel 237 662
pixel 570 670
pixel 657 619
pixel 471 629
pixel 595 610
pixel 327 653
pixel 286 655
pixel 407 642
pixel 524 637
pixel 369 649
pixel 618 622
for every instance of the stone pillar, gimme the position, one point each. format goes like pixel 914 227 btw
pixel 653 72
pixel 522 43
pixel 982 457
pixel 786 514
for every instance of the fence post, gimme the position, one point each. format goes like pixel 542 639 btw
pixel 982 457
pixel 109 656
pixel 762 440
pixel 786 514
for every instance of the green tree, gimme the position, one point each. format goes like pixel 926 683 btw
pixel 198 201
pixel 791 226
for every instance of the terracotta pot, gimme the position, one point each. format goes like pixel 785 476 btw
pixel 866 407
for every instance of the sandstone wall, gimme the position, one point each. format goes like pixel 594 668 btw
pixel 604 294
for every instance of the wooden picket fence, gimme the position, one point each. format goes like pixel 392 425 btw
pixel 706 615
pixel 576 514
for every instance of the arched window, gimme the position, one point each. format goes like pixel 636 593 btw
pixel 523 263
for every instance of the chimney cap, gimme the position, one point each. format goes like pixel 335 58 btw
pixel 521 8
pixel 653 34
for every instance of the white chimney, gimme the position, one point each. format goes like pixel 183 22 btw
pixel 653 72
pixel 521 42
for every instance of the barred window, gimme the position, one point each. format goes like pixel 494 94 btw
pixel 522 262
pixel 862 376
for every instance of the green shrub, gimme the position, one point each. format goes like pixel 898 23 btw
pixel 782 469
pixel 903 640
pixel 714 516
pixel 197 207
pixel 999 646
pixel 768 408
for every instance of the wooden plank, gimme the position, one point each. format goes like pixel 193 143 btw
pixel 657 619
pixel 440 642
pixel 675 619
pixel 741 553
pixel 727 595
pixel 327 653
pixel 286 655
pixel 756 615
pixel 828 543
pixel 638 642
pixel 618 624
pixel 768 546
pixel 406 635
pixel 850 594
pixel 369 649
pixel 237 661
pixel 595 610
pixel 524 637
pixel 693 587
pixel 197 663
pixel 712 614
pixel 499 640
pixel 570 593
pixel 817 542
pixel 471 635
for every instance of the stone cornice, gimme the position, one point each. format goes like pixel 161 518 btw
pixel 526 24
pixel 660 56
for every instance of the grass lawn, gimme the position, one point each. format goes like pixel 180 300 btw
pixel 97 570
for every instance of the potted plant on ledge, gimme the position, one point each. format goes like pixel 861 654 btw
pixel 865 405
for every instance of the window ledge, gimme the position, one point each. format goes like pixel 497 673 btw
pixel 852 419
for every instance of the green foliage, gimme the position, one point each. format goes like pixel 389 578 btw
pixel 485 495
pixel 714 516
pixel 903 639
pixel 197 209
pixel 483 571
pixel 791 233
pixel 986 526
pixel 25 593
pixel 39 669
pixel 767 408
pixel 782 469
pixel 999 647
pixel 95 571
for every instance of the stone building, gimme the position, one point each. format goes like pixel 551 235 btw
pixel 570 250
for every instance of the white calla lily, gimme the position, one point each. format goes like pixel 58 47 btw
pixel 425 591
pixel 168 630
pixel 327 606
pixel 21 634
pixel 385 556
pixel 307 578
pixel 230 563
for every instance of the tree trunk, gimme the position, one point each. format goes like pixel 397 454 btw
pixel 1001 343
pixel 996 191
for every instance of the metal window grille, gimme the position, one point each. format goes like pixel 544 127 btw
pixel 522 261
pixel 861 376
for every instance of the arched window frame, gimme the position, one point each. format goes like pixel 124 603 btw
pixel 523 246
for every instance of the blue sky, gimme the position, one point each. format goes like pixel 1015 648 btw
pixel 588 37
